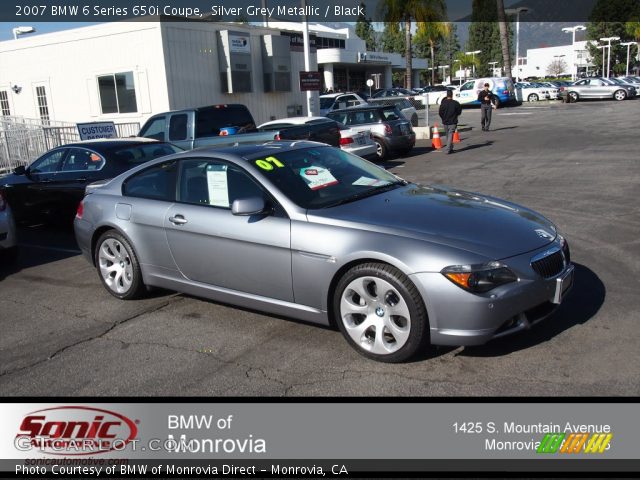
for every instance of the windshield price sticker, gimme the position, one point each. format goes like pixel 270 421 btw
pixel 371 182
pixel 317 177
pixel 268 163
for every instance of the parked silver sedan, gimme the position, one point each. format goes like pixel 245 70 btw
pixel 309 231
pixel 596 87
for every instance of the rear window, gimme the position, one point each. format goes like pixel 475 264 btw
pixel 143 153
pixel 391 113
pixel 209 121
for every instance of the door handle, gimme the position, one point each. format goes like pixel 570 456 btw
pixel 81 179
pixel 178 220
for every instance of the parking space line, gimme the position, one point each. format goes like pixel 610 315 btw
pixel 54 249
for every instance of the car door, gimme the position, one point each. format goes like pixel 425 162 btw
pixel 599 89
pixel 210 245
pixel 31 200
pixel 582 88
pixel 80 167
pixel 467 93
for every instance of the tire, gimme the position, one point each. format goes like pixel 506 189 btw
pixel 381 149
pixel 117 266
pixel 620 95
pixel 573 97
pixel 533 98
pixel 366 318
pixel 414 120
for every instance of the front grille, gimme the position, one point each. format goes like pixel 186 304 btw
pixel 549 266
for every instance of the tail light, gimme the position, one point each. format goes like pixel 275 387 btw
pixel 80 209
pixel 224 133
pixel 506 92
pixel 346 141
pixel 387 129
pixel 276 136
pixel 3 202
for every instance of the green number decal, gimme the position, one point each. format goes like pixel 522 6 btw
pixel 268 163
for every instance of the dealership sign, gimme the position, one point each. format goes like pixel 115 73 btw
pixel 91 131
pixel 310 81
pixel 75 430
pixel 239 44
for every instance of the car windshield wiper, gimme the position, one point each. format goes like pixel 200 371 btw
pixel 367 193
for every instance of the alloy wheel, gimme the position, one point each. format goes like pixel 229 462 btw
pixel 115 265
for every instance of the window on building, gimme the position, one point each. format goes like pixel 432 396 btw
pixel 117 93
pixel 43 106
pixel 4 103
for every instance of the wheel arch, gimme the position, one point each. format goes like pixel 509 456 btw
pixel 98 232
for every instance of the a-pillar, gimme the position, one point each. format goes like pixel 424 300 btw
pixel 388 77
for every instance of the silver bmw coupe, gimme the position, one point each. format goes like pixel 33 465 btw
pixel 312 232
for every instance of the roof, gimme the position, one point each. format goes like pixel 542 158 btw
pixel 111 143
pixel 293 121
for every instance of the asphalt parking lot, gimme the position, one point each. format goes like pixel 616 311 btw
pixel 63 334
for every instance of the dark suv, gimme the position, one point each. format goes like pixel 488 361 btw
pixel 390 130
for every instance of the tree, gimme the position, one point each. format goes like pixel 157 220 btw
pixel 431 33
pixel 364 29
pixel 556 67
pixel 484 35
pixel 406 12
pixel 447 48
pixel 467 62
pixel 392 38
pixel 504 37
pixel 605 21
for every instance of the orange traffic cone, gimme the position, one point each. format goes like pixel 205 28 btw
pixel 456 136
pixel 436 142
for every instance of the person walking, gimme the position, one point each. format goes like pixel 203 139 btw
pixel 487 104
pixel 450 110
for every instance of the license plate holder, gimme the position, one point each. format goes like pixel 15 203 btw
pixel 563 285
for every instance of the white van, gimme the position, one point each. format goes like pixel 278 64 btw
pixel 502 87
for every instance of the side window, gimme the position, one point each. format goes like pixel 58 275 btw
pixel 339 117
pixel 156 183
pixel 178 127
pixel 49 162
pixel 582 82
pixel 154 129
pixel 80 159
pixel 214 183
pixel 467 86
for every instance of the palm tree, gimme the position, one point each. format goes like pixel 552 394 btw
pixel 432 32
pixel 407 11
pixel 504 38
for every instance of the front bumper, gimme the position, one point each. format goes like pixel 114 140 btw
pixel 458 318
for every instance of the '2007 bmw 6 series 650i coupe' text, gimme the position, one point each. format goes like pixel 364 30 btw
pixel 312 232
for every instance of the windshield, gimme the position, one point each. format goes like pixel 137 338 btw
pixel 322 177
pixel 326 102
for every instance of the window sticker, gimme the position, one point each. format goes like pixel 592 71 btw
pixel 317 177
pixel 372 182
pixel 217 185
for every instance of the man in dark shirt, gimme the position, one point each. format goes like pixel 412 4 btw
pixel 487 103
pixel 449 112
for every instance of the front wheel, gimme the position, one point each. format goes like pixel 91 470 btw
pixel 573 97
pixel 620 95
pixel 118 266
pixel 381 313
pixel 533 97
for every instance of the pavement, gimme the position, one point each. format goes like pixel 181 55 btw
pixel 63 334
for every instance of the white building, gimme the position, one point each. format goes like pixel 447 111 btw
pixel 538 60
pixel 127 71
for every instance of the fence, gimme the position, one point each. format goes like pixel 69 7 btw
pixel 22 140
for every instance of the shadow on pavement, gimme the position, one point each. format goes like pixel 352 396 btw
pixel 582 304
pixel 474 146
pixel 503 128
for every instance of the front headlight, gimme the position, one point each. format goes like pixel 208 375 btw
pixel 565 249
pixel 480 278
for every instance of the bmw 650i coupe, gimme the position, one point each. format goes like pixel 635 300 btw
pixel 309 231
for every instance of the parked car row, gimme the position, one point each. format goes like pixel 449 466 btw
pixel 598 87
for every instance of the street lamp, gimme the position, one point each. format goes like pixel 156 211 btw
pixel 460 78
pixel 558 57
pixel 444 71
pixel 603 47
pixel 493 68
pixel 22 31
pixel 516 12
pixel 573 30
pixel 628 45
pixel 609 40
pixel 473 59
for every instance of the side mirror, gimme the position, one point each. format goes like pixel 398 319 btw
pixel 248 206
pixel 20 170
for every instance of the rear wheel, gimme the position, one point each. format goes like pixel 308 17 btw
pixel 118 266
pixel 381 313
pixel 620 95
pixel 381 149
pixel 533 97
pixel 573 96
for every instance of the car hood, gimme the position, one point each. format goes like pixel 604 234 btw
pixel 484 225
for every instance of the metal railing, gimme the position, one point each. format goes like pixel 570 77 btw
pixel 22 140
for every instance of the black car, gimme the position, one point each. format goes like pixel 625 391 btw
pixel 50 189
